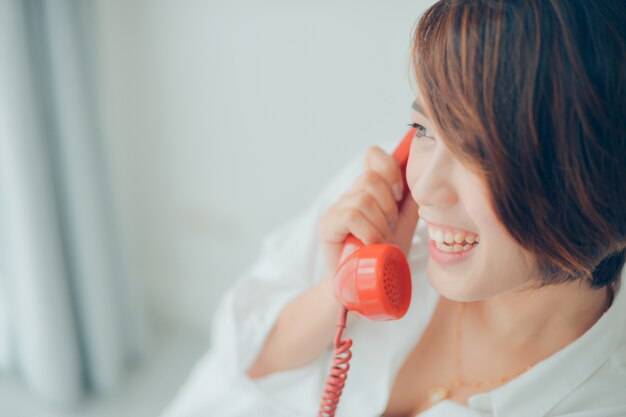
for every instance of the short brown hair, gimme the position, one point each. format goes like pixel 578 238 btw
pixel 530 94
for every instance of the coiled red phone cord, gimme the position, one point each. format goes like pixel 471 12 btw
pixel 339 370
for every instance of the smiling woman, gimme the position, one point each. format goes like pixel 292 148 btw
pixel 521 148
pixel 544 125
pixel 513 225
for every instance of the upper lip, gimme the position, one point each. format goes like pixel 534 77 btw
pixel 446 226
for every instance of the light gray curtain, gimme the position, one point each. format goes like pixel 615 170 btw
pixel 70 322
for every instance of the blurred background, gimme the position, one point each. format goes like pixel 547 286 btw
pixel 146 147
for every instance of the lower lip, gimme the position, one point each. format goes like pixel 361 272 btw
pixel 447 257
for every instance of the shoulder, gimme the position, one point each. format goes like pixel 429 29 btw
pixel 602 394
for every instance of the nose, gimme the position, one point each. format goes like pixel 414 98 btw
pixel 432 180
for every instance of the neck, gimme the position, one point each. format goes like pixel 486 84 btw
pixel 544 318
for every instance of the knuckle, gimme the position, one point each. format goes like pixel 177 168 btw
pixel 366 200
pixel 370 176
pixel 337 204
pixel 325 219
pixel 373 236
pixel 353 215
pixel 343 199
pixel 390 212
pixel 323 226
pixel 372 151
pixel 394 218
pixel 386 166
pixel 392 168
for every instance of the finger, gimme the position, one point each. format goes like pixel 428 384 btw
pixel 346 217
pixel 376 228
pixel 372 183
pixel 407 221
pixel 376 159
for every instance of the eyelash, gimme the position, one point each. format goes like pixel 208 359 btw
pixel 418 126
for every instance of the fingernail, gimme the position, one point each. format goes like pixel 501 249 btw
pixel 397 191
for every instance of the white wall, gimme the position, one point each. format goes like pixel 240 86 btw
pixel 225 118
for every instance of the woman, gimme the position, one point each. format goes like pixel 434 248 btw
pixel 517 164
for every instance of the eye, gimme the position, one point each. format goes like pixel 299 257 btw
pixel 421 131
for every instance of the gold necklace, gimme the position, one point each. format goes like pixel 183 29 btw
pixel 437 394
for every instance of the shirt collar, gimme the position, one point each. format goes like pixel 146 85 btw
pixel 562 372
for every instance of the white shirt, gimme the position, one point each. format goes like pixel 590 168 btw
pixel 587 378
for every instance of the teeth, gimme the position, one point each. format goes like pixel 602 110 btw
pixel 442 247
pixel 452 249
pixel 454 242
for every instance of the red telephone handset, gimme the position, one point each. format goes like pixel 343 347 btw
pixel 373 281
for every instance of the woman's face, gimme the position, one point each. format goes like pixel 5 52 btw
pixel 454 200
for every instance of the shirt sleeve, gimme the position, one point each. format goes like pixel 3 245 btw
pixel 290 262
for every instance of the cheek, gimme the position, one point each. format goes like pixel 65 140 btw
pixel 476 200
pixel 477 207
pixel 502 256
pixel 414 166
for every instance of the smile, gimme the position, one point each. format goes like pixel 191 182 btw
pixel 451 240
pixel 444 254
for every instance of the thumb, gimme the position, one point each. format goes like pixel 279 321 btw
pixel 405 226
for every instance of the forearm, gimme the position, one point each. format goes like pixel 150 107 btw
pixel 306 326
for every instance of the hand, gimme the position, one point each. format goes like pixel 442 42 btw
pixel 370 211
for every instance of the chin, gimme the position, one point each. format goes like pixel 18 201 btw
pixel 450 285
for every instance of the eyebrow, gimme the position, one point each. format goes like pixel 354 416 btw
pixel 416 106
